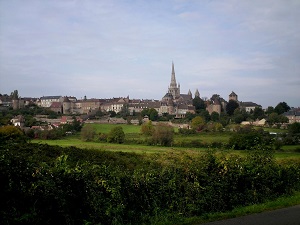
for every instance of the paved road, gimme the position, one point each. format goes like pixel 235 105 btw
pixel 286 216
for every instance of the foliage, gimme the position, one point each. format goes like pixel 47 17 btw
pixel 116 135
pixel 248 138
pixel 258 113
pixel 43 184
pixel 186 131
pixel 199 104
pixel 11 133
pixel 294 128
pixel 215 116
pixel 214 127
pixel 151 113
pixel 198 123
pixel 281 107
pixel 274 118
pixel 163 135
pixel 88 133
pixel 147 128
pixel 231 106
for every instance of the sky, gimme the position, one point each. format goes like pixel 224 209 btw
pixel 120 48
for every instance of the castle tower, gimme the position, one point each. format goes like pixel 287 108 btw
pixel 233 96
pixel 66 105
pixel 173 88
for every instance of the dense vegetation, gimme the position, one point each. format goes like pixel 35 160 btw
pixel 42 184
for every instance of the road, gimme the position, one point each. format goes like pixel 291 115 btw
pixel 286 216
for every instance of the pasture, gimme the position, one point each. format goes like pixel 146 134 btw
pixel 132 132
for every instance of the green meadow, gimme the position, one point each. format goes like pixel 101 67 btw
pixel 132 132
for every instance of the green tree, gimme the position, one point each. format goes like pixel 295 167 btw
pixel 204 114
pixel 199 104
pixel 163 134
pixel 124 111
pixel 282 107
pixel 11 133
pixel 151 113
pixel 147 128
pixel 198 123
pixel 116 135
pixel 88 133
pixel 258 113
pixel 231 106
pixel 294 128
pixel 215 116
pixel 269 110
pixel 273 118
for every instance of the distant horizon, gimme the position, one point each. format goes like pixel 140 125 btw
pixel 119 48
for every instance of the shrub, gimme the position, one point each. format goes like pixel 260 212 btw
pixel 88 133
pixel 163 135
pixel 116 135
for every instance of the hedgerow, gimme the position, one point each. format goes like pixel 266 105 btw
pixel 43 184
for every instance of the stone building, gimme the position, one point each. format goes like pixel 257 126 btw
pixel 175 103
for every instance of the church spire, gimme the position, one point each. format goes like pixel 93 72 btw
pixel 173 79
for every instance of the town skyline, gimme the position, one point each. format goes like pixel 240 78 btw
pixel 106 49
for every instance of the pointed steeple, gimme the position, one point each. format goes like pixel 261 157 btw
pixel 197 94
pixel 173 78
pixel 190 93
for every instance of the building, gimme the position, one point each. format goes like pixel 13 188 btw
pixel 46 101
pixel 249 106
pixel 293 115
pixel 175 103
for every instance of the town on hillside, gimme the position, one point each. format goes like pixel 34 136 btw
pixel 173 103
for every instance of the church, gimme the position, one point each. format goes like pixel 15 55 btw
pixel 175 103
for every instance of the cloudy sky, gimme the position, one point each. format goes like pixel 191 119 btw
pixel 113 48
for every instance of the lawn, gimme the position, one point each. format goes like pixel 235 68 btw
pixel 105 128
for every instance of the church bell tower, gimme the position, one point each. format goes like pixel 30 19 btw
pixel 173 88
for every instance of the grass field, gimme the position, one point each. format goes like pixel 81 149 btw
pixel 105 128
pixel 133 132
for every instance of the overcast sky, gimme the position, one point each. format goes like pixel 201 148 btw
pixel 114 48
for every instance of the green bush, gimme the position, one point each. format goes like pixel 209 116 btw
pixel 116 135
pixel 43 184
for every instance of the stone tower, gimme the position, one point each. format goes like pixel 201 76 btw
pixel 233 96
pixel 66 105
pixel 173 88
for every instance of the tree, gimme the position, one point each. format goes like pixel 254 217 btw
pixel 258 113
pixel 163 134
pixel 273 118
pixel 282 107
pixel 151 113
pixel 215 116
pixel 269 110
pixel 147 128
pixel 294 128
pixel 205 114
pixel 198 123
pixel 88 133
pixel 199 104
pixel 124 111
pixel 231 106
pixel 11 133
pixel 116 135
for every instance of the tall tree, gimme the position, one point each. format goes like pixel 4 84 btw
pixel 258 113
pixel 231 106
pixel 282 107
pixel 199 104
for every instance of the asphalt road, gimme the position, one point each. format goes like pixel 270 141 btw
pixel 286 216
